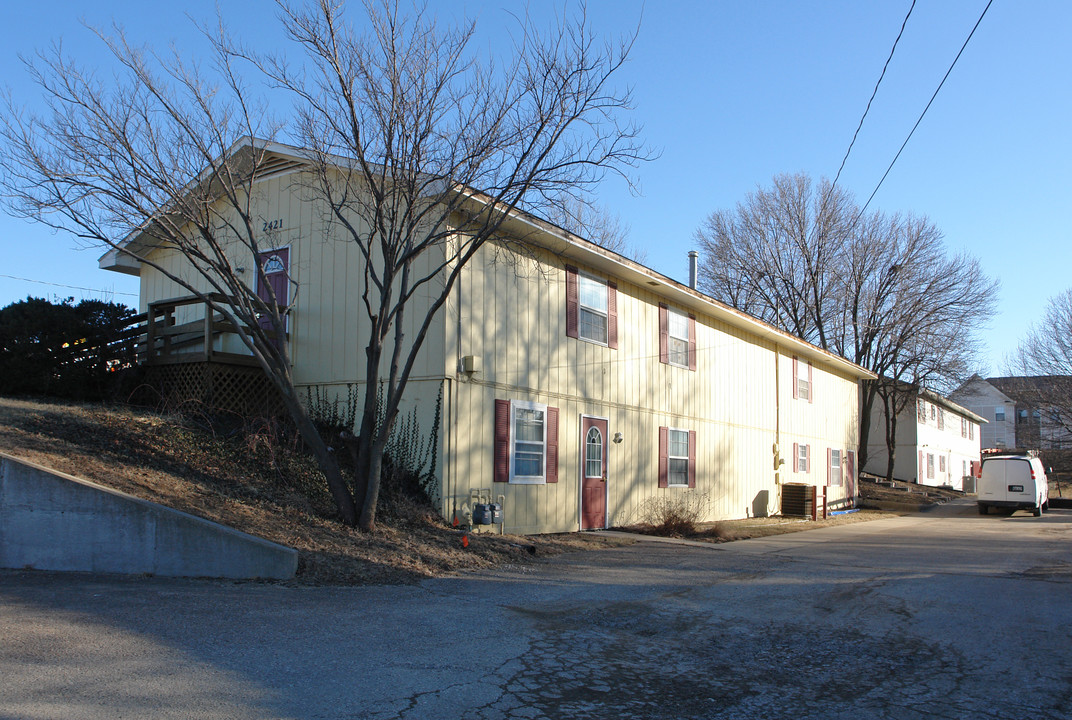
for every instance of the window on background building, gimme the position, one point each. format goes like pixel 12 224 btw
pixel 941 463
pixel 964 427
pixel 921 410
pixel 941 419
pixel 999 414
pixel 934 413
pixel 971 431
pixel 930 466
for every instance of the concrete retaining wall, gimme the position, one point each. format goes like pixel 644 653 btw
pixel 52 521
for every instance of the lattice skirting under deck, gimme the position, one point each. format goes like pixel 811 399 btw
pixel 216 387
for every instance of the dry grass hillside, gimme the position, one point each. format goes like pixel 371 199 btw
pixel 252 481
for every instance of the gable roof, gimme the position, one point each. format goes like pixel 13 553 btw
pixel 281 158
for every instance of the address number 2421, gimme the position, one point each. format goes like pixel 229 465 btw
pixel 270 225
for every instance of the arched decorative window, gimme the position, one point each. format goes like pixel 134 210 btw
pixel 274 264
pixel 593 454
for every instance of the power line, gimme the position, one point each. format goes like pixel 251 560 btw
pixel 69 287
pixel 873 94
pixel 947 72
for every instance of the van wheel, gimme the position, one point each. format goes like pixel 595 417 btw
pixel 983 509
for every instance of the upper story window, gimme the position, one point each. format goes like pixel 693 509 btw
pixel 964 427
pixel 802 385
pixel 941 419
pixel 591 308
pixel 999 413
pixel 677 337
pixel 933 412
pixel 921 411
pixel 592 321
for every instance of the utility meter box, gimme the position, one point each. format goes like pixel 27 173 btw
pixel 487 513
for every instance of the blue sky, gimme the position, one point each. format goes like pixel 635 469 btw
pixel 732 93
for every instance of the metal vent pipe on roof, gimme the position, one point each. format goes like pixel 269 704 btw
pixel 694 259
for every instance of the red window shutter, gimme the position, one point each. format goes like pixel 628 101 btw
pixel 807 458
pixel 664 457
pixel 796 383
pixel 796 457
pixel 920 475
pixel 501 465
pixel 811 385
pixel 664 334
pixel 692 458
pixel 692 341
pixel 829 459
pixel 612 314
pixel 552 444
pixel 572 302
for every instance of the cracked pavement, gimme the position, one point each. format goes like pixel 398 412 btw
pixel 946 614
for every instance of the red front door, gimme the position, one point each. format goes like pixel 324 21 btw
pixel 593 473
pixel 276 282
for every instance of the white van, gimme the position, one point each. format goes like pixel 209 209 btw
pixel 1016 481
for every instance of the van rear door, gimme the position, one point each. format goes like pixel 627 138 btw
pixel 992 486
pixel 1019 485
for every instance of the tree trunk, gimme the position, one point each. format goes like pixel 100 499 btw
pixel 870 388
pixel 340 493
pixel 891 437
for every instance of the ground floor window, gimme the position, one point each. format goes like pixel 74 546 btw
pixel 526 442
pixel 930 466
pixel 677 457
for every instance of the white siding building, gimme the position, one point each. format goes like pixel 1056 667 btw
pixel 938 442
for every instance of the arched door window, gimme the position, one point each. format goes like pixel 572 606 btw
pixel 593 454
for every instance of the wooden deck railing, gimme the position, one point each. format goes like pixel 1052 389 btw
pixel 164 341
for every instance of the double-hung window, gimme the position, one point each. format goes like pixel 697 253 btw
pixel 528 423
pixel 834 476
pixel 801 457
pixel 678 323
pixel 677 337
pixel 591 308
pixel 802 386
pixel 999 413
pixel 677 457
pixel 592 318
pixel 526 442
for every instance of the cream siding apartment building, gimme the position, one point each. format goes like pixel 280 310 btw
pixel 571 384
pixel 938 442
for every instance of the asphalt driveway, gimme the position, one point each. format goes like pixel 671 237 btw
pixel 944 614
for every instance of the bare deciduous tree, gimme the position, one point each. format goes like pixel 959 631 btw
pixel 416 149
pixel 597 224
pixel 1045 353
pixel 879 290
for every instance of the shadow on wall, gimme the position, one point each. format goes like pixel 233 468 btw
pixel 761 503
